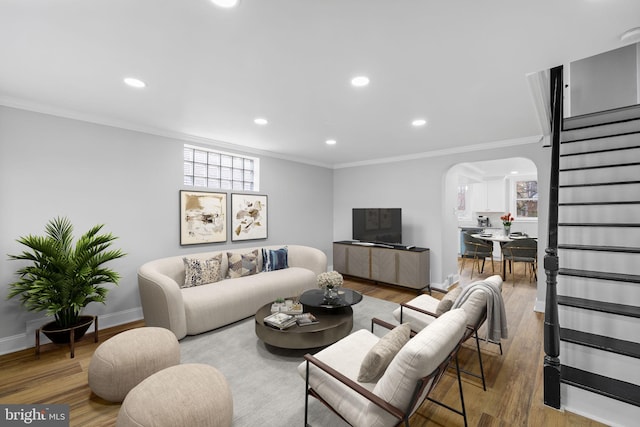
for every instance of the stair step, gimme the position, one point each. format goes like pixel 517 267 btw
pixel 597 248
pixel 595 184
pixel 616 165
pixel 598 224
pixel 630 278
pixel 619 202
pixel 615 389
pixel 601 118
pixel 613 345
pixel 624 140
pixel 603 290
pixel 599 151
pixel 605 307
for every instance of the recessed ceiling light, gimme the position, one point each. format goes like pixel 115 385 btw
pixel 133 82
pixel 514 172
pixel 360 81
pixel 225 3
pixel 419 122
pixel 331 142
pixel 261 121
pixel 631 35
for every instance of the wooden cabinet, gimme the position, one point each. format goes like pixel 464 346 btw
pixel 402 267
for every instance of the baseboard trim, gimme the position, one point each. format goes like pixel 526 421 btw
pixel 26 340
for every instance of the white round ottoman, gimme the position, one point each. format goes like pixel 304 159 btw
pixel 121 362
pixel 191 395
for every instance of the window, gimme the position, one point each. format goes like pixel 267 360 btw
pixel 526 199
pixel 216 169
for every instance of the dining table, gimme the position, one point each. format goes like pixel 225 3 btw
pixel 501 238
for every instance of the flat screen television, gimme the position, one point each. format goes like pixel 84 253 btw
pixel 377 225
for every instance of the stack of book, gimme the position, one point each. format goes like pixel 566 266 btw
pixel 283 320
pixel 280 320
pixel 305 319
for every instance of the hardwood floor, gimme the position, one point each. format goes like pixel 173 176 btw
pixel 514 379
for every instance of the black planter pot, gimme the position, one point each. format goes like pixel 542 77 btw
pixel 63 336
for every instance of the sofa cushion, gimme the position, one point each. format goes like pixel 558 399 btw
pixel 202 271
pixel 447 301
pixel 275 259
pixel 381 354
pixel 242 264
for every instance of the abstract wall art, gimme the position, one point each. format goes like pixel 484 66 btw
pixel 248 217
pixel 203 217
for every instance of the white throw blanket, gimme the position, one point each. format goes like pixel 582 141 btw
pixel 496 316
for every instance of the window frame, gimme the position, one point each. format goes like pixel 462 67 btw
pixel 513 182
pixel 230 168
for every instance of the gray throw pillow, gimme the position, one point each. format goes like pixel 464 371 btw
pixel 382 353
pixel 447 301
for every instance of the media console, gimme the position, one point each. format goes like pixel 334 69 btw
pixel 405 266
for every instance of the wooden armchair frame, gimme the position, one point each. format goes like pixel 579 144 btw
pixel 401 415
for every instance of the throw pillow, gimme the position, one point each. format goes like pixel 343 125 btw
pixel 242 264
pixel 382 353
pixel 202 271
pixel 275 259
pixel 447 301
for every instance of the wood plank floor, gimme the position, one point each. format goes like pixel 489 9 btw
pixel 514 379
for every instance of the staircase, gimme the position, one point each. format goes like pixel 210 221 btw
pixel 599 276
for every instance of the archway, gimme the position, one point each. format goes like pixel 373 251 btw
pixel 486 188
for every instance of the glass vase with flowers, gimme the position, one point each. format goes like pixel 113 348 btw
pixel 330 282
pixel 507 219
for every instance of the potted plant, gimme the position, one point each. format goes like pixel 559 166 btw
pixel 62 278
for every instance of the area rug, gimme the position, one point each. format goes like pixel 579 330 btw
pixel 266 387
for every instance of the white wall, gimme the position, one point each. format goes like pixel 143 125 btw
pixel 605 81
pixel 427 198
pixel 130 181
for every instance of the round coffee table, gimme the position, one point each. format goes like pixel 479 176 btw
pixel 334 323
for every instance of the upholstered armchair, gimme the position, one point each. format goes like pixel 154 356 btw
pixel 479 299
pixel 352 378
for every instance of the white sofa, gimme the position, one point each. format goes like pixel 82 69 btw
pixel 197 309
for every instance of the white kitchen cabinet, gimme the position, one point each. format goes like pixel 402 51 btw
pixel 488 196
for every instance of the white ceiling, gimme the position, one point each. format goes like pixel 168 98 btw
pixel 460 64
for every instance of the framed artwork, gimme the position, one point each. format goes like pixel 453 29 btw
pixel 203 217
pixel 248 217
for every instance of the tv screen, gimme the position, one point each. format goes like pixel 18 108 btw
pixel 377 225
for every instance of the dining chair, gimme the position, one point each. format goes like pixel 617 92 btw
pixel 477 249
pixel 522 250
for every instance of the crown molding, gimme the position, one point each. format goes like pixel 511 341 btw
pixel 446 152
pixel 22 104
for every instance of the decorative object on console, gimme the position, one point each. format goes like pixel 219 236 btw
pixel 507 219
pixel 248 217
pixel 330 282
pixel 62 278
pixel 202 217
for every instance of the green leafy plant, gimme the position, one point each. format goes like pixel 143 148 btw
pixel 61 278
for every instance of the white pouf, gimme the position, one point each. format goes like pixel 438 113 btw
pixel 121 362
pixel 184 395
